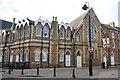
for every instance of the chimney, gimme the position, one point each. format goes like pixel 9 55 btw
pixel 55 18
pixel 112 24
pixel 13 25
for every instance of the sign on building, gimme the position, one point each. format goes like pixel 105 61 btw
pixel 106 43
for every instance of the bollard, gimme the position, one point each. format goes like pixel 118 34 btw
pixel 54 71
pixel 73 72
pixel 37 69
pixel 9 72
pixel 22 70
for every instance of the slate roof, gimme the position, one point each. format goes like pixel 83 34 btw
pixel 77 22
pixel 108 27
pixel 5 24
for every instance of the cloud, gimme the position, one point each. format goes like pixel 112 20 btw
pixel 69 9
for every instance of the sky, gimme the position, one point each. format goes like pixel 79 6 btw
pixel 65 10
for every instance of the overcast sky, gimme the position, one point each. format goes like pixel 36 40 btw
pixel 65 10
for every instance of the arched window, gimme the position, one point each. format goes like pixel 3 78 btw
pixel 37 55
pixel 44 55
pixel 68 53
pixel 21 56
pixel 61 56
pixel 38 29
pixel 26 55
pixel 93 33
pixel 17 56
pixel 62 32
pixel 68 33
pixel 78 53
pixel 45 30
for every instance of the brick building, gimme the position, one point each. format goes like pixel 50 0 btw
pixel 63 45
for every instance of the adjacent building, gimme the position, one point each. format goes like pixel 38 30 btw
pixel 63 45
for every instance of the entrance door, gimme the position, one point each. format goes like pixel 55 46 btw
pixel 105 60
pixel 112 60
pixel 67 60
pixel 79 62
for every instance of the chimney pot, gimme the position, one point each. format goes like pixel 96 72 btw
pixel 53 18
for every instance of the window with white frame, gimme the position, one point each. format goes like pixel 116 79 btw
pixel 44 55
pixel 93 34
pixel 113 35
pixel 26 55
pixel 45 30
pixel 37 55
pixel 68 33
pixel 62 33
pixel 17 56
pixel 38 29
pixel 61 56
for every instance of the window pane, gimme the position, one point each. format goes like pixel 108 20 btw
pixel 61 56
pixel 44 56
pixel 45 31
pixel 37 55
pixel 38 29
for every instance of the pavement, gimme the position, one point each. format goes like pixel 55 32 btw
pixel 61 73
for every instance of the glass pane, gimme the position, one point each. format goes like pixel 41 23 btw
pixel 44 56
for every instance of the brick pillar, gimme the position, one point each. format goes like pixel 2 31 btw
pixel 54 43
pixel 54 54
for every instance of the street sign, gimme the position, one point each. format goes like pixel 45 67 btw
pixel 90 49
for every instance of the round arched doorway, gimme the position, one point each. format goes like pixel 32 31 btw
pixel 79 59
pixel 67 59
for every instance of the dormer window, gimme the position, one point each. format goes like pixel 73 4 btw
pixel 62 33
pixel 38 29
pixel 45 31
pixel 68 33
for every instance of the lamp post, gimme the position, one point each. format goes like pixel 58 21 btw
pixel 85 7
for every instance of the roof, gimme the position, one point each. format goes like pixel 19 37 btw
pixel 5 24
pixel 106 27
pixel 76 23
